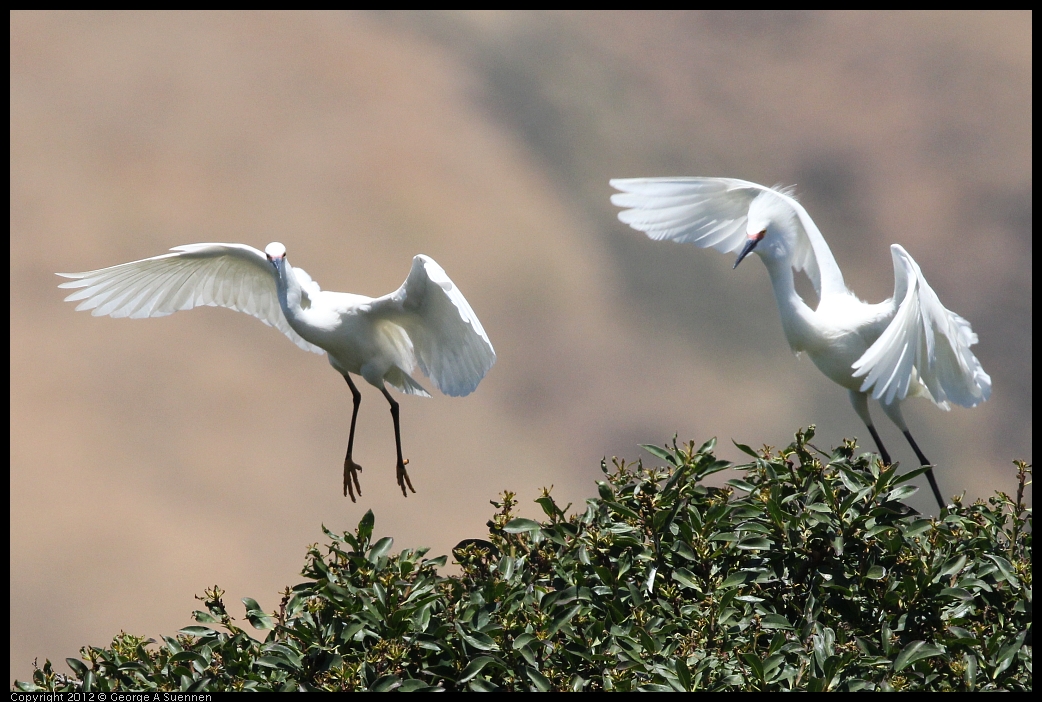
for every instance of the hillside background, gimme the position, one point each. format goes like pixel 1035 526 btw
pixel 152 458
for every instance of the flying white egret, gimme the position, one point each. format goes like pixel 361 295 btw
pixel 907 346
pixel 426 322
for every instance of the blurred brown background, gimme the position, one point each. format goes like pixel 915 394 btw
pixel 152 458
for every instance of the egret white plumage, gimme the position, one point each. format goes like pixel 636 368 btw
pixel 426 322
pixel 906 346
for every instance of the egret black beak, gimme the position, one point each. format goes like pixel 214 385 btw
pixel 750 244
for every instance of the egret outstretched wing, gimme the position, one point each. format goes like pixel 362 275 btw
pixel 449 343
pixel 923 341
pixel 235 276
pixel 714 213
pixel 707 212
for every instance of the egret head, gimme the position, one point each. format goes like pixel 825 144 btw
pixel 276 253
pixel 771 229
pixel 275 250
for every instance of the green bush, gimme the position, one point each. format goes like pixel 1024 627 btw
pixel 806 572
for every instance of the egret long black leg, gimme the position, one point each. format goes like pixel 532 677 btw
pixel 403 475
pixel 879 444
pixel 859 401
pixel 352 469
pixel 929 471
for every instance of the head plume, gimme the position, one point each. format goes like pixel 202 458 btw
pixel 771 208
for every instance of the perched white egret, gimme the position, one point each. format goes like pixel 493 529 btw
pixel 907 346
pixel 426 322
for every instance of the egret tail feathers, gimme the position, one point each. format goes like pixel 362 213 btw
pixel 404 383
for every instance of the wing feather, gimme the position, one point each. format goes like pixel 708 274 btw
pixel 924 348
pixel 687 210
pixel 235 276
pixel 449 343
pixel 713 213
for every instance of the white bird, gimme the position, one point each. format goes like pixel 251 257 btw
pixel 426 322
pixel 906 346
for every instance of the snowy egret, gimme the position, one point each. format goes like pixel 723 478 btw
pixel 426 322
pixel 907 346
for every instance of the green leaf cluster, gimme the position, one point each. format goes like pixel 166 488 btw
pixel 806 572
